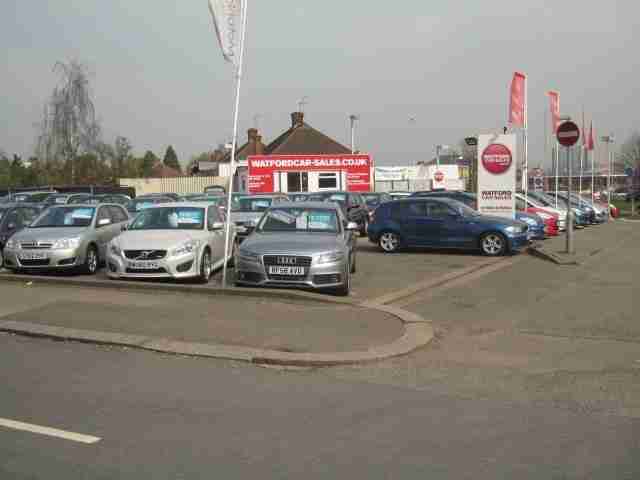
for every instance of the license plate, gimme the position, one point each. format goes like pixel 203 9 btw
pixel 33 256
pixel 144 265
pixel 275 270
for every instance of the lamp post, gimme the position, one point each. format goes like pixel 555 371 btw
pixel 609 140
pixel 353 119
pixel 438 149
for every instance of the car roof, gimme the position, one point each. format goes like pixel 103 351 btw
pixel 262 195
pixel 319 205
pixel 180 204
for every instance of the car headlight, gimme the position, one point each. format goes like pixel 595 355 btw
pixel 330 257
pixel 65 243
pixel 115 249
pixel 247 256
pixel 188 247
pixel 531 222
pixel 11 243
pixel 513 229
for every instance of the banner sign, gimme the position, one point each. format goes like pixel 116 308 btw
pixel 227 20
pixel 262 169
pixel 497 175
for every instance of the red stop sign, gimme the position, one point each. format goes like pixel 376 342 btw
pixel 568 134
pixel 497 158
pixel 438 176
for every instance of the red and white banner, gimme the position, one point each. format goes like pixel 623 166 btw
pixel 589 143
pixel 263 167
pixel 518 101
pixel 554 98
pixel 497 175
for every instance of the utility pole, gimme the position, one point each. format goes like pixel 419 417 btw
pixel 353 119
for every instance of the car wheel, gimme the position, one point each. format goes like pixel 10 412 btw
pixel 91 260
pixel 234 254
pixel 389 242
pixel 344 289
pixel 1 260
pixel 353 264
pixel 364 228
pixel 205 267
pixel 493 244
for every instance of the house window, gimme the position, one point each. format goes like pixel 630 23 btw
pixel 328 181
pixel 297 182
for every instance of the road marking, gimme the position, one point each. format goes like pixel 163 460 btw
pixel 51 432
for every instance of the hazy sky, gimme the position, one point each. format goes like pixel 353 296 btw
pixel 159 78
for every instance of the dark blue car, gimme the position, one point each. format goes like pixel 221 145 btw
pixel 443 223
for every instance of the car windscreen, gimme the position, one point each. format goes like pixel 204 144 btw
pixel 250 204
pixel 55 217
pixel 213 199
pixel 299 220
pixel 372 200
pixel 463 209
pixel 78 199
pixel 169 218
pixel 140 204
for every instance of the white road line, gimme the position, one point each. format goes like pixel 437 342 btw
pixel 52 432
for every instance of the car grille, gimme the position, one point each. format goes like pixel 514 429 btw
pixel 278 260
pixel 36 245
pixel 145 254
pixel 287 278
pixel 35 263
pixel 146 270
pixel 250 277
pixel 326 279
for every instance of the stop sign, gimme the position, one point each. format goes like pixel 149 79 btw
pixel 438 176
pixel 568 134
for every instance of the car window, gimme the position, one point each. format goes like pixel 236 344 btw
pixel 213 215
pixel 416 209
pixel 27 215
pixel 438 210
pixel 67 216
pixel 103 213
pixel 117 215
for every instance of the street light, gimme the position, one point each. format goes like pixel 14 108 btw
pixel 438 148
pixel 609 140
pixel 353 119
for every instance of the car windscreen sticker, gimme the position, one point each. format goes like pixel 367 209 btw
pixel 283 217
pixel 143 206
pixel 190 216
pixel 61 200
pixel 337 198
pixel 261 204
pixel 321 221
pixel 82 213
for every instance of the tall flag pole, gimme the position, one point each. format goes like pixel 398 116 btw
pixel 590 146
pixel 554 99
pixel 518 118
pixel 583 153
pixel 230 22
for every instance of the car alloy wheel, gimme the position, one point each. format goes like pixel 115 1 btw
pixel 344 289
pixel 1 260
pixel 493 244
pixel 91 261
pixel 389 242
pixel 205 267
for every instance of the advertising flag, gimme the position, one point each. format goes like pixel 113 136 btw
pixel 517 104
pixel 554 98
pixel 227 20
pixel 589 142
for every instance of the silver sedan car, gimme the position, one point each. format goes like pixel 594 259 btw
pixel 173 240
pixel 303 244
pixel 66 237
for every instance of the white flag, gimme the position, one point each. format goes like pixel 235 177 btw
pixel 227 19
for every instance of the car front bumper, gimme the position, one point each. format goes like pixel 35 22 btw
pixel 183 266
pixel 518 242
pixel 53 259
pixel 316 276
pixel 536 233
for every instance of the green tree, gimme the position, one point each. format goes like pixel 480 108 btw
pixel 17 172
pixel 171 159
pixel 122 158
pixel 5 166
pixel 148 162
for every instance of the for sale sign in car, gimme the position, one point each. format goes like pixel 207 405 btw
pixel 497 175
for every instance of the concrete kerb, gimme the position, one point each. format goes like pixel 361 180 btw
pixel 417 331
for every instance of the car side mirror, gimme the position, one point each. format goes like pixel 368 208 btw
pixel 124 227
pixel 215 226
pixel 103 222
pixel 12 226
pixel 352 226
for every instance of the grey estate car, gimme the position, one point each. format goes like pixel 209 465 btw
pixel 66 237
pixel 304 244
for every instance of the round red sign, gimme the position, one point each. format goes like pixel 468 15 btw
pixel 438 176
pixel 496 158
pixel 568 134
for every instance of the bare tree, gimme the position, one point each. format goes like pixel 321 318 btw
pixel 69 127
pixel 630 153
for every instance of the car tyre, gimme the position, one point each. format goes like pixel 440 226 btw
pixel 205 268
pixel 1 260
pixel 493 244
pixel 344 289
pixel 389 242
pixel 91 260
pixel 364 228
pixel 353 264
pixel 234 254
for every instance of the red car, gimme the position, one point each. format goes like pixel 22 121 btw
pixel 550 220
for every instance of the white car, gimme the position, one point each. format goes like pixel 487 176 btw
pixel 173 240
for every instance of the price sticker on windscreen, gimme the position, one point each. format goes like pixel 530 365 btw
pixel 321 221
pixel 190 216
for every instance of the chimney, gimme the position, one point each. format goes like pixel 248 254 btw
pixel 297 118
pixel 252 133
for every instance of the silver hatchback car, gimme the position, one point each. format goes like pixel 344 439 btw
pixel 303 244
pixel 66 237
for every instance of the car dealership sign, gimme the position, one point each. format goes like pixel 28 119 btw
pixel 262 169
pixel 497 175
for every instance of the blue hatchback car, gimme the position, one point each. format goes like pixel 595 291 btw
pixel 443 223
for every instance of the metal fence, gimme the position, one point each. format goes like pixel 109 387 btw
pixel 180 185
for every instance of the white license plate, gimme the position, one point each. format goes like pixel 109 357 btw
pixel 33 256
pixel 275 270
pixel 144 265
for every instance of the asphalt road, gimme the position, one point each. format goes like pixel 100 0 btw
pixel 174 418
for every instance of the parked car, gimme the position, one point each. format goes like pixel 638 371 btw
pixel 298 196
pixel 374 199
pixel 145 201
pixel 353 206
pixel 444 223
pixel 533 205
pixel 247 210
pixel 398 194
pixel 78 198
pixel 66 237
pixel 119 198
pixel 302 244
pixel 175 240
pixel 13 218
pixel 31 197
pixel 189 197
pixel 215 189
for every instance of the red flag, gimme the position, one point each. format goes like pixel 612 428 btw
pixel 589 142
pixel 518 101
pixel 554 97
